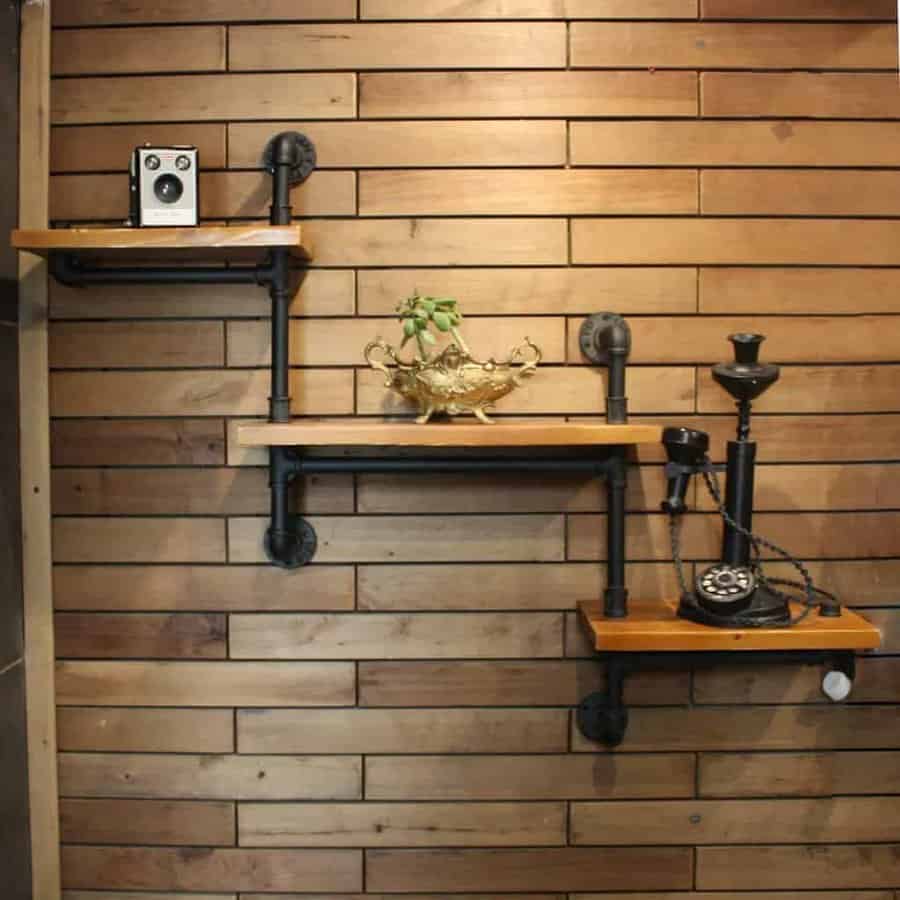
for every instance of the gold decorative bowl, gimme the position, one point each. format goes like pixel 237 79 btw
pixel 453 382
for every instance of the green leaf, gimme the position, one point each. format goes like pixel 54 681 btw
pixel 442 320
pixel 428 337
pixel 409 328
pixel 428 306
pixel 421 324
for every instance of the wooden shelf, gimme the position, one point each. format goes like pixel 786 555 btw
pixel 362 433
pixel 121 245
pixel 655 627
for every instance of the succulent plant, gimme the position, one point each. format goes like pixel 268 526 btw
pixel 418 314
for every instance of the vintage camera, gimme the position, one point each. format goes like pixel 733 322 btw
pixel 163 182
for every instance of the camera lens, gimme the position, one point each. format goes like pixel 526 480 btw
pixel 183 163
pixel 151 161
pixel 168 188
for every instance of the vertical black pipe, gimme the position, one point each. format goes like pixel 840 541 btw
pixel 616 401
pixel 615 601
pixel 739 501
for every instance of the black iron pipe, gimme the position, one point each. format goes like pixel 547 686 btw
pixel 739 501
pixel 65 270
pixel 368 465
pixel 618 349
pixel 615 600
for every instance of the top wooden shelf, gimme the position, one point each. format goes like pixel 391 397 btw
pixel 362 433
pixel 652 627
pixel 206 242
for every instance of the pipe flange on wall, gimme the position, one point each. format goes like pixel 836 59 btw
pixel 291 547
pixel 603 335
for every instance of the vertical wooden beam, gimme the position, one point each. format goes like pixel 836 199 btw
pixel 34 168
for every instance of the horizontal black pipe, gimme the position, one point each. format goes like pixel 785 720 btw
pixel 66 271
pixel 323 466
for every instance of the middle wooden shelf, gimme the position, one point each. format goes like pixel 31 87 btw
pixel 368 433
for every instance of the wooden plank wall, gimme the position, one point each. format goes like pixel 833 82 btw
pixel 396 718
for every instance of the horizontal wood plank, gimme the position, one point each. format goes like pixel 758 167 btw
pixel 533 192
pixel 394 636
pixel 188 393
pixel 745 45
pixel 799 774
pixel 149 822
pixel 757 728
pixel 535 291
pixel 527 9
pixel 801 868
pixel 210 777
pixel 797 142
pixel 204 684
pixel 799 291
pixel 151 345
pixel 402 731
pixel 95 728
pixel 461 45
pixel 798 9
pixel 522 777
pixel 546 869
pixel 823 192
pixel 819 95
pixel 201 588
pixel 829 821
pixel 137 868
pixel 499 586
pixel 148 442
pixel 423 144
pixel 80 540
pixel 735 241
pixel 121 12
pixel 108 51
pixel 402 824
pixel 108 148
pixel 345 539
pixel 161 98
pixel 146 636
pixel 520 94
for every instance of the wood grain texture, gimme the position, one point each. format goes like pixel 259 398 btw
pixel 402 824
pixel 528 777
pixel 79 101
pixel 828 821
pixel 91 728
pixel 532 192
pixel 102 51
pixel 162 822
pixel 135 868
pixel 201 588
pixel 798 867
pixel 794 142
pixel 526 9
pixel 536 291
pixel 210 777
pixel 705 45
pixel 108 148
pixel 121 12
pixel 516 94
pixel 537 683
pixel 809 774
pixel 434 143
pixel 394 636
pixel 798 9
pixel 150 442
pixel 146 636
pixel 576 868
pixel 397 731
pixel 464 45
pixel 204 683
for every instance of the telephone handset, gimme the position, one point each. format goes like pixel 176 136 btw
pixel 735 592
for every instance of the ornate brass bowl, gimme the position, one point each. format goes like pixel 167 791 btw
pixel 453 382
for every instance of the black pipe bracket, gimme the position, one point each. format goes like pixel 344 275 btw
pixel 602 716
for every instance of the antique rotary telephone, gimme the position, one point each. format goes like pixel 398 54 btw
pixel 735 592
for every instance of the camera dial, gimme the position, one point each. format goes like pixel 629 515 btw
pixel 183 163
pixel 152 161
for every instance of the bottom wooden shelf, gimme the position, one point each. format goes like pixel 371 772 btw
pixel 655 627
